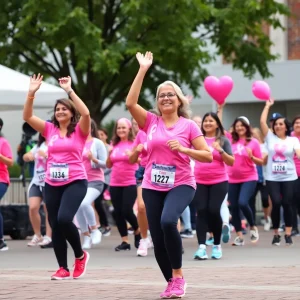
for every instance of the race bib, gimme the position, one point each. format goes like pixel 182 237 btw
pixel 162 175
pixel 279 167
pixel 59 172
pixel 41 175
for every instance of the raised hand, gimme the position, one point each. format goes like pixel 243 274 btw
pixel 270 102
pixel 35 83
pixel 65 83
pixel 145 61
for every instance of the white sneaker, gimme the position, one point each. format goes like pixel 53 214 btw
pixel 87 242
pixel 267 225
pixel 96 236
pixel 238 242
pixel 35 241
pixel 46 240
pixel 149 242
pixel 143 248
pixel 254 236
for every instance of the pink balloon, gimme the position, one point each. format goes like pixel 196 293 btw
pixel 261 90
pixel 218 89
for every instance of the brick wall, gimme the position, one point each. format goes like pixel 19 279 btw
pixel 293 29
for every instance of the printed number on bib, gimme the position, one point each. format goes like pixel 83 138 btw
pixel 162 175
pixel 59 172
pixel 279 167
pixel 41 177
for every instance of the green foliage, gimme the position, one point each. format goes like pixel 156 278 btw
pixel 15 171
pixel 96 40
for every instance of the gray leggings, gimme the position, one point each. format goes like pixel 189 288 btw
pixel 86 215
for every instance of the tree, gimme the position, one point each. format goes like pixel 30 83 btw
pixel 95 41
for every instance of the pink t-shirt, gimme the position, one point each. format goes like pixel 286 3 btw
pixel 141 138
pixel 93 174
pixel 214 172
pixel 244 169
pixel 165 168
pixel 5 150
pixel 296 160
pixel 122 172
pixel 64 163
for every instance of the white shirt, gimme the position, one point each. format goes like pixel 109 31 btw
pixel 39 165
pixel 281 166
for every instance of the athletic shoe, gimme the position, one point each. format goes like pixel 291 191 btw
pixel 35 241
pixel 254 236
pixel 87 242
pixel 106 231
pixel 187 233
pixel 137 238
pixel 80 265
pixel 61 274
pixel 226 233
pixel 267 225
pixel 123 247
pixel 210 242
pixel 200 254
pixel 288 240
pixel 238 242
pixel 178 288
pixel 143 248
pixel 216 252
pixel 276 240
pixel 46 240
pixel 166 293
pixel 130 230
pixel 96 236
pixel 295 232
pixel 47 246
pixel 3 246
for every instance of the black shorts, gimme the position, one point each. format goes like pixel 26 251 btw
pixel 139 175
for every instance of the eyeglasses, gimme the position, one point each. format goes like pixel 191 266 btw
pixel 169 95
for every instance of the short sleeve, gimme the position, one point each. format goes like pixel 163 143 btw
pixel 226 145
pixel 6 149
pixel 263 148
pixel 296 143
pixel 33 150
pixel 256 149
pixel 79 132
pixel 47 130
pixel 149 119
pixel 269 136
pixel 194 131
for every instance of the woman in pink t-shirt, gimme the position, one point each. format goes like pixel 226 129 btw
pixel 212 187
pixel 5 161
pixel 94 161
pixel 122 182
pixel 66 179
pixel 169 184
pixel 242 175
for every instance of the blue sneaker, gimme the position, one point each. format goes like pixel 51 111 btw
pixel 210 242
pixel 200 254
pixel 216 252
pixel 225 233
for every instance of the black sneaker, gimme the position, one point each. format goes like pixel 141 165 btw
pixel 288 240
pixel 187 234
pixel 47 246
pixel 137 238
pixel 106 231
pixel 123 247
pixel 295 232
pixel 276 240
pixel 3 246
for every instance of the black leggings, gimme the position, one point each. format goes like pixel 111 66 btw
pixel 281 194
pixel 163 212
pixel 62 203
pixel 100 208
pixel 208 200
pixel 123 199
pixel 296 203
pixel 260 187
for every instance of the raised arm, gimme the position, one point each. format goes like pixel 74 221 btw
pixel 137 112
pixel 220 111
pixel 85 119
pixel 35 122
pixel 264 117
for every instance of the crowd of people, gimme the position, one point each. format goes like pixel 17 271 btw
pixel 176 169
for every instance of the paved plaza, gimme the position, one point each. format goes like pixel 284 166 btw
pixel 259 271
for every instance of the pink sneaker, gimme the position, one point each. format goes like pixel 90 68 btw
pixel 178 288
pixel 80 266
pixel 61 274
pixel 166 294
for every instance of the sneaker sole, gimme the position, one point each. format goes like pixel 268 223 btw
pixel 87 260
pixel 61 278
pixel 187 236
pixel 4 249
pixel 106 234
pixel 216 258
pixel 201 258
pixel 141 255
pixel 225 234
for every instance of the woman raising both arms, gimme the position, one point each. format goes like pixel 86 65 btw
pixel 168 184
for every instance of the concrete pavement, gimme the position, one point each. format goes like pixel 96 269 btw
pixel 258 271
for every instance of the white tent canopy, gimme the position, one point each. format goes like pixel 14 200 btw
pixel 14 88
